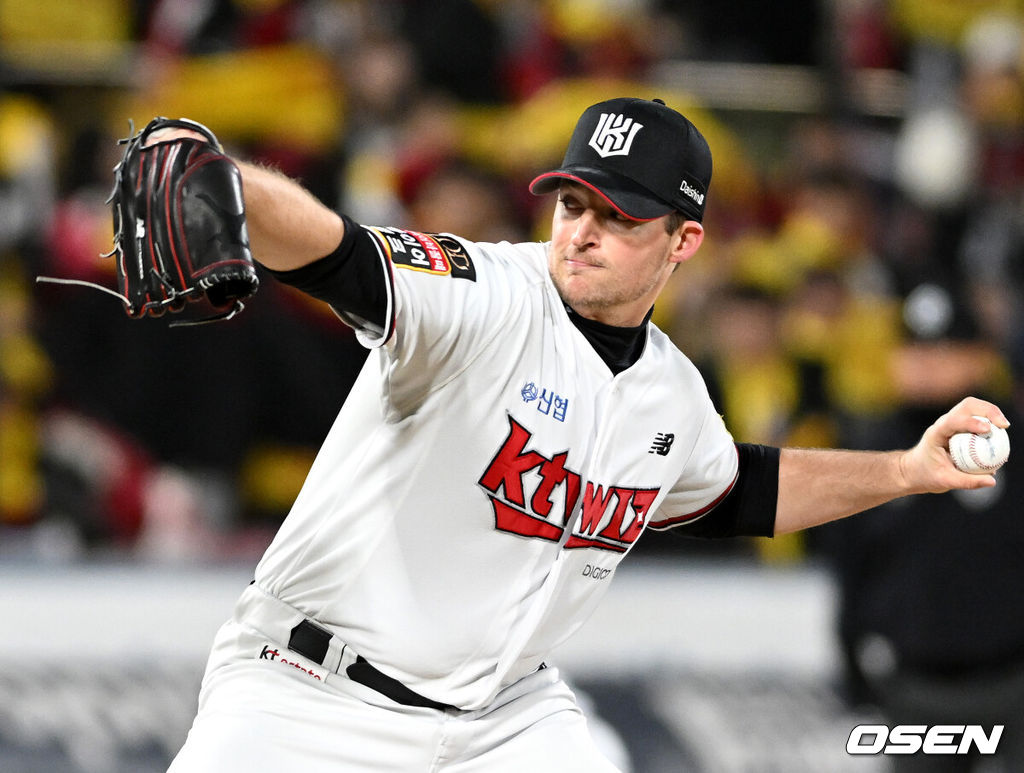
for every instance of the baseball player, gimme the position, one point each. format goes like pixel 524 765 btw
pixel 517 426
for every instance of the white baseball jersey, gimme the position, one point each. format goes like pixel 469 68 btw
pixel 487 473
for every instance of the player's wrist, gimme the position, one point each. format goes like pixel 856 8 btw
pixel 909 478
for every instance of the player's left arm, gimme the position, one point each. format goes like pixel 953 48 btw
pixel 288 227
pixel 817 485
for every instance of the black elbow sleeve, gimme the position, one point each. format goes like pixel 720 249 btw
pixel 749 509
pixel 350 279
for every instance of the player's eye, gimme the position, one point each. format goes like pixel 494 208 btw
pixel 620 221
pixel 570 205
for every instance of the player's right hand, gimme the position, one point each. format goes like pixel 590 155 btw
pixel 928 467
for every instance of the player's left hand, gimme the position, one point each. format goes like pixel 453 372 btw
pixel 173 133
pixel 180 231
pixel 928 467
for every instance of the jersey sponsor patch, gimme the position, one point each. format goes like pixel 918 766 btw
pixel 438 254
pixel 548 403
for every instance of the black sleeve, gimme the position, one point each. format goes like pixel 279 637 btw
pixel 748 510
pixel 351 279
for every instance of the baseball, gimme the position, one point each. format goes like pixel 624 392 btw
pixel 980 454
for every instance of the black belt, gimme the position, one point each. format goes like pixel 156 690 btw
pixel 312 641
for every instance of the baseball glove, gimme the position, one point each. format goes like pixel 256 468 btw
pixel 179 226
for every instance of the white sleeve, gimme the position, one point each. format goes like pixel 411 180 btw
pixel 709 475
pixel 450 298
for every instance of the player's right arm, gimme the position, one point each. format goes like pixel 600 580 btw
pixel 821 485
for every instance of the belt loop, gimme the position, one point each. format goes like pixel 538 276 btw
pixel 335 655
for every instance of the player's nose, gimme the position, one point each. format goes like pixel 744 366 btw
pixel 587 230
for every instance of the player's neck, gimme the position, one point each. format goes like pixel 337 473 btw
pixel 619 347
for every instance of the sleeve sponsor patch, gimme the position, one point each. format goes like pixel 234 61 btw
pixel 438 254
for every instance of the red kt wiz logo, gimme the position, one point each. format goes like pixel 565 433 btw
pixel 522 485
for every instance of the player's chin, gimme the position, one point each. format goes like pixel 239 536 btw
pixel 576 293
pixel 581 277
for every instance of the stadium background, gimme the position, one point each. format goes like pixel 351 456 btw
pixel 869 165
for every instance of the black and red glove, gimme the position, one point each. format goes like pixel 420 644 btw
pixel 179 225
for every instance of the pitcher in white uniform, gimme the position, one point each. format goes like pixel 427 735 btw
pixel 517 426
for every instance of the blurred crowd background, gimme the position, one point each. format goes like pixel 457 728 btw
pixel 862 269
pixel 864 227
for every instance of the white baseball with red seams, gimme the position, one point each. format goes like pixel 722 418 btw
pixel 980 454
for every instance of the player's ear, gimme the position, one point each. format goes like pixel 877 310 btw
pixel 686 240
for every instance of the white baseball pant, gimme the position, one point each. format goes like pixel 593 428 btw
pixel 274 710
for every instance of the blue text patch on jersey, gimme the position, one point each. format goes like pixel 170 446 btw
pixel 439 254
pixel 548 403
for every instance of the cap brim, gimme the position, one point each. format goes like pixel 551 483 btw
pixel 622 194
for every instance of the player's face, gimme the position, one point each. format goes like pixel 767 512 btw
pixel 607 267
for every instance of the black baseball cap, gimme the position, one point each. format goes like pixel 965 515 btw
pixel 644 158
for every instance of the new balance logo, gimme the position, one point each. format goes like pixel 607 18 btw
pixel 662 443
pixel 614 135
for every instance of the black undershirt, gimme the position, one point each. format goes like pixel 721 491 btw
pixel 619 347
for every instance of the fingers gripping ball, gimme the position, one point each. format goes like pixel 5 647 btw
pixel 980 454
pixel 179 224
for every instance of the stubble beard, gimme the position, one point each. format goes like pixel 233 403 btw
pixel 600 297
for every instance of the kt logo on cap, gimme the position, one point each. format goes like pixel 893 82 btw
pixel 614 135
